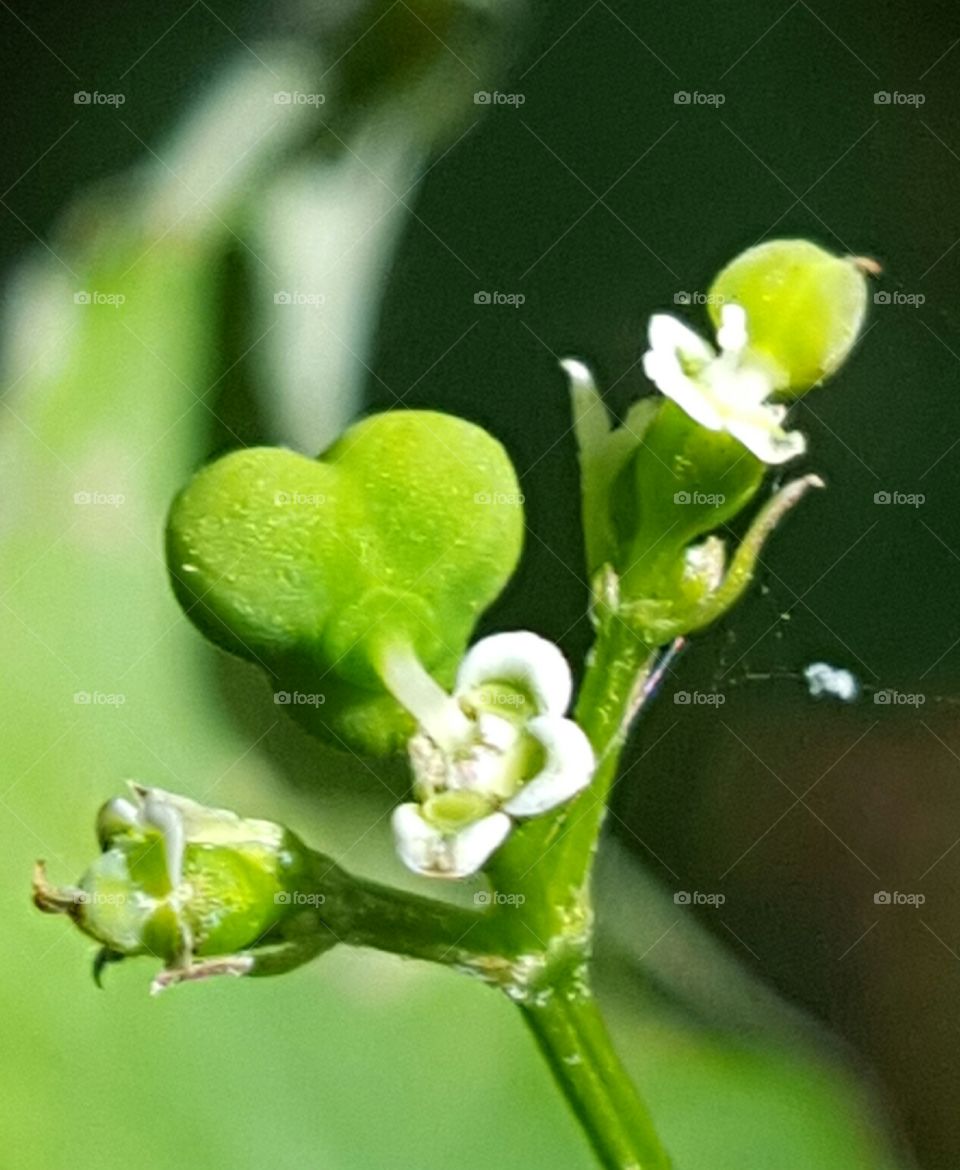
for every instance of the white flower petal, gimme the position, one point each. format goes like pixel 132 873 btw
pixel 732 334
pixel 162 815
pixel 668 335
pixel 424 849
pixel 521 657
pixel 760 433
pixel 568 767
pixel 692 397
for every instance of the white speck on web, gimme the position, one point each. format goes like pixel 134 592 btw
pixel 823 679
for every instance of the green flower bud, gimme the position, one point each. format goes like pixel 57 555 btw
pixel 805 308
pixel 400 535
pixel 179 880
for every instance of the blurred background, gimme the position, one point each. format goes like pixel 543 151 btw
pixel 229 224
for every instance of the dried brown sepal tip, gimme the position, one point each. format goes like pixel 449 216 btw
pixel 867 265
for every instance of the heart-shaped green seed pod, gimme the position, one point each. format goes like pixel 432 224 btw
pixel 398 536
pixel 804 306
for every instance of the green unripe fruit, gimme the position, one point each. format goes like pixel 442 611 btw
pixel 804 306
pixel 403 532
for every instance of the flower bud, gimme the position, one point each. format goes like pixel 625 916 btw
pixel 177 880
pixel 804 306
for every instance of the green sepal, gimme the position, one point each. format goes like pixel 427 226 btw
pixel 680 483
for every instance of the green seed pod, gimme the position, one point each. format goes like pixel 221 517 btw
pixel 805 308
pixel 401 534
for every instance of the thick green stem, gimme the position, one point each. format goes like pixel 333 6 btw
pixel 366 914
pixel 575 1043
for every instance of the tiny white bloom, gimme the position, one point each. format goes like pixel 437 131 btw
pixel 499 748
pixel 725 391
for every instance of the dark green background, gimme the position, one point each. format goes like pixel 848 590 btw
pixel 799 147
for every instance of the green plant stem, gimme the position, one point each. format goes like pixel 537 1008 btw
pixel 364 913
pixel 550 863
pixel 575 1043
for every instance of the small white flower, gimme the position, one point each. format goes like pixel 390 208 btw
pixel 725 391
pixel 499 748
pixel 427 849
